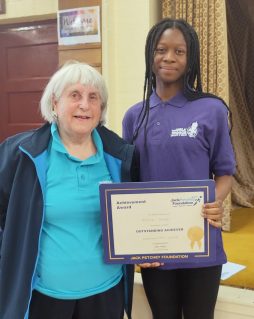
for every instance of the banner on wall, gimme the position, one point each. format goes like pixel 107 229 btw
pixel 79 26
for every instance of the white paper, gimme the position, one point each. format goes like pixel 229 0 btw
pixel 157 222
pixel 229 269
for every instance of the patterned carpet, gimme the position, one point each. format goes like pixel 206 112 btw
pixel 239 247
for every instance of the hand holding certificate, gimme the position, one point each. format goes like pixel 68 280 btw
pixel 157 221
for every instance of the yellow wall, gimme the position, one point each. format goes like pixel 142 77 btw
pixel 125 24
pixel 26 8
pixel 124 30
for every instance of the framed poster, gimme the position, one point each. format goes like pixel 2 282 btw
pixel 79 26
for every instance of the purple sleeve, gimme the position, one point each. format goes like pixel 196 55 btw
pixel 127 126
pixel 222 159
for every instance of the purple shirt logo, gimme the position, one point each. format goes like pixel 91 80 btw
pixel 190 131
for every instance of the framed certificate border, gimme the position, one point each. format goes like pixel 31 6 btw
pixel 181 192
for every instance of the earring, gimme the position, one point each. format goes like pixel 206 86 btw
pixel 54 115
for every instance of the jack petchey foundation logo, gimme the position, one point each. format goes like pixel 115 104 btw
pixel 194 233
pixel 182 202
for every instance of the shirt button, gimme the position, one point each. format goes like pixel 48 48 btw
pixel 158 123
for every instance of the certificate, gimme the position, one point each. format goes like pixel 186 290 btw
pixel 157 221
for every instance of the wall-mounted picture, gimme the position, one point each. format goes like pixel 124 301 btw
pixel 2 6
pixel 79 26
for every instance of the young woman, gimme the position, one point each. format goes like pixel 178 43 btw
pixel 181 133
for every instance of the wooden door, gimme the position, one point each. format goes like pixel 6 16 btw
pixel 28 57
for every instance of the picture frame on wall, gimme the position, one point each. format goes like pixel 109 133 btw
pixel 79 26
pixel 2 6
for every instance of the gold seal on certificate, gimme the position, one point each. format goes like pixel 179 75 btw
pixel 157 221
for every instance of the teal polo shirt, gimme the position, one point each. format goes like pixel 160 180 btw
pixel 70 263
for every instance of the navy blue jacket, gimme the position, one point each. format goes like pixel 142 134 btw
pixel 23 163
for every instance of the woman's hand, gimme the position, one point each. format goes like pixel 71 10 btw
pixel 150 265
pixel 214 213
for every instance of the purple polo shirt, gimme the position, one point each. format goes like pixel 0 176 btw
pixel 186 140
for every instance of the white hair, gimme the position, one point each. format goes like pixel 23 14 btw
pixel 72 72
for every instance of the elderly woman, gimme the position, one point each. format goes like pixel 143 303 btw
pixel 51 255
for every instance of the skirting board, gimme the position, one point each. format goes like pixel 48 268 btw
pixel 232 303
